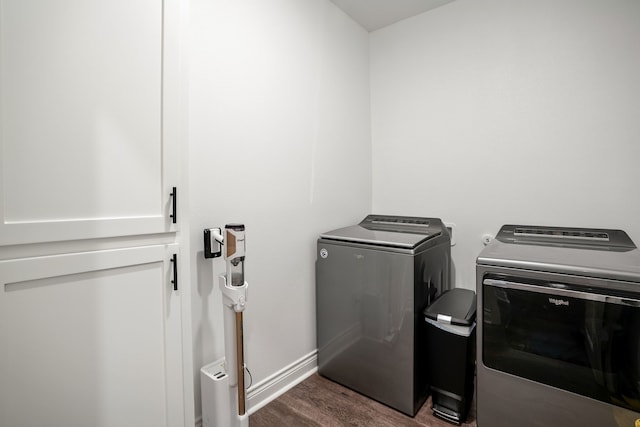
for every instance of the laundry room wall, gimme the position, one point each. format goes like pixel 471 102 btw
pixel 486 112
pixel 280 141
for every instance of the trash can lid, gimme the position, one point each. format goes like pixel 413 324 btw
pixel 457 307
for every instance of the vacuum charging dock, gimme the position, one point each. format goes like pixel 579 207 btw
pixel 216 393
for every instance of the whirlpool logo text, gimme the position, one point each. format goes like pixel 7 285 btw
pixel 557 302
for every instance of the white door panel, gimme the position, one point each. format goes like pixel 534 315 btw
pixel 88 90
pixel 91 339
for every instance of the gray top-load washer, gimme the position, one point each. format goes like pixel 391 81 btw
pixel 373 281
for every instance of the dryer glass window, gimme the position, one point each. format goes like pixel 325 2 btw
pixel 576 341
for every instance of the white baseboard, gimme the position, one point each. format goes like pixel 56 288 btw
pixel 277 384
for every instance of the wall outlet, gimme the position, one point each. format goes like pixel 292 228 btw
pixel 451 227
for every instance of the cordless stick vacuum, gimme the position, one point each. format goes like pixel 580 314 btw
pixel 234 293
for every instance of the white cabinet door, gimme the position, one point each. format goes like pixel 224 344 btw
pixel 91 339
pixel 89 118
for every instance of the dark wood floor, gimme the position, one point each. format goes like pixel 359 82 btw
pixel 319 402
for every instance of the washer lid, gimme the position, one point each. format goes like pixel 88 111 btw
pixel 391 231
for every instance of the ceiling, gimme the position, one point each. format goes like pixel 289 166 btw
pixel 375 14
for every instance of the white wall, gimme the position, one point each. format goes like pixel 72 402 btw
pixel 279 140
pixel 488 112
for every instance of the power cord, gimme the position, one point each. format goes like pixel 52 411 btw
pixel 250 376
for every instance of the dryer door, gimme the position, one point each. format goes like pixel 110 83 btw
pixel 564 336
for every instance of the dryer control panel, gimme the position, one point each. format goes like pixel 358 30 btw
pixel 596 238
